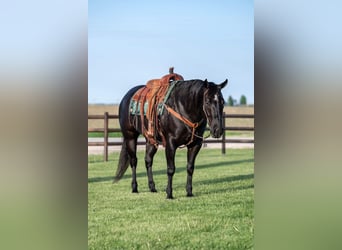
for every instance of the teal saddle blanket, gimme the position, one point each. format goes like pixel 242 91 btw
pixel 135 108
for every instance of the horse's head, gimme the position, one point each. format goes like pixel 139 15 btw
pixel 213 103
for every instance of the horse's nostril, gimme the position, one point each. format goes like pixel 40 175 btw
pixel 216 132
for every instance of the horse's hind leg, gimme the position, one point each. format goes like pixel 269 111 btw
pixel 132 151
pixel 150 152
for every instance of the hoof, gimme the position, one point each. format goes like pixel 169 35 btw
pixel 134 187
pixel 169 193
pixel 190 195
pixel 152 187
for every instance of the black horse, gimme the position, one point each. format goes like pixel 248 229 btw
pixel 191 105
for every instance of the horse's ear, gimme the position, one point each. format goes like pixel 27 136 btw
pixel 222 85
pixel 206 83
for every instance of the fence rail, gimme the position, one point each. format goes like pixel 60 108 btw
pixel 223 140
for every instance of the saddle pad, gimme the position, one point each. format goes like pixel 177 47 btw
pixel 135 105
pixel 135 108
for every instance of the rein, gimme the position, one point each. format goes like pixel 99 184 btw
pixel 192 125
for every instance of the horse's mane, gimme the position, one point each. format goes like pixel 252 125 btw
pixel 189 89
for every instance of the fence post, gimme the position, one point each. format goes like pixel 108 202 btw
pixel 105 136
pixel 224 134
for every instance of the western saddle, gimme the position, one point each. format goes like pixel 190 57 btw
pixel 151 95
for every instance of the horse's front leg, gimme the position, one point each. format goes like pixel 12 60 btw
pixel 150 152
pixel 192 153
pixel 170 151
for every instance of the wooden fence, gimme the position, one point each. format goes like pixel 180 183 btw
pixel 223 140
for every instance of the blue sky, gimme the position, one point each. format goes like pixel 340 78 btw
pixel 130 42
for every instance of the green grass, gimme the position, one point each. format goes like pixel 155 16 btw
pixel 119 135
pixel 219 216
pixel 101 134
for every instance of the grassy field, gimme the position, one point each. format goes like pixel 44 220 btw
pixel 113 123
pixel 219 216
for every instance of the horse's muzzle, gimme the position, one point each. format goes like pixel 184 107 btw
pixel 216 132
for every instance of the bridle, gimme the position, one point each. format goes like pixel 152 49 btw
pixel 205 112
pixel 186 121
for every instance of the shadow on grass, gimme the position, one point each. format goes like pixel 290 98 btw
pixel 231 189
pixel 101 179
pixel 227 179
pixel 99 159
pixel 178 170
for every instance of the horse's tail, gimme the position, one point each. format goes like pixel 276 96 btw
pixel 123 162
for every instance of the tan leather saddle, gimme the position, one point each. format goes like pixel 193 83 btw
pixel 151 96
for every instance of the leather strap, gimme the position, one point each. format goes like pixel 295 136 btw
pixel 180 117
pixel 186 121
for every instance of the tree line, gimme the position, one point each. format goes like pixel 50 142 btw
pixel 233 102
